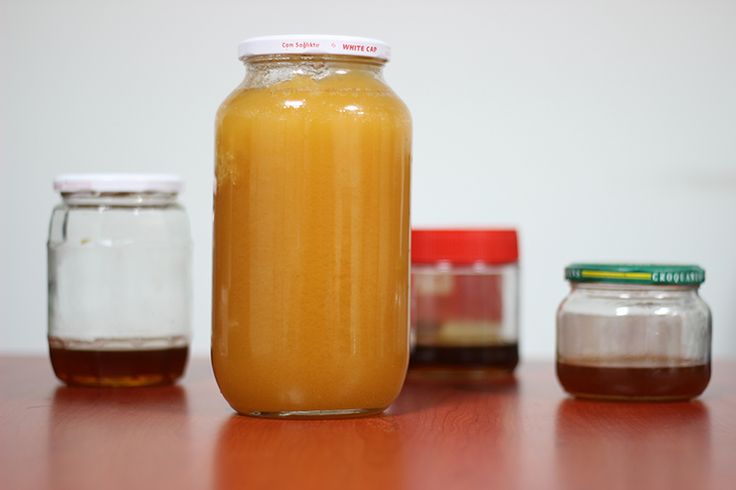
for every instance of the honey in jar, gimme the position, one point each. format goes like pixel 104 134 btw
pixel 120 367
pixel 634 332
pixel 464 304
pixel 641 379
pixel 311 232
pixel 119 280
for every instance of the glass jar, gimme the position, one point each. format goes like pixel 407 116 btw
pixel 119 280
pixel 311 232
pixel 634 332
pixel 464 303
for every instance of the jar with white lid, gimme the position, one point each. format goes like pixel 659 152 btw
pixel 119 280
pixel 311 231
pixel 634 332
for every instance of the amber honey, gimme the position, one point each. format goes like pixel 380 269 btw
pixel 84 367
pixel 639 379
pixel 311 241
pixel 451 361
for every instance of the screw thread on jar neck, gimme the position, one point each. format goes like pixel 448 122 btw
pixel 301 59
pixel 266 70
pixel 640 291
pixel 122 199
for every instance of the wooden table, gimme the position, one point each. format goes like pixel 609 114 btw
pixel 523 434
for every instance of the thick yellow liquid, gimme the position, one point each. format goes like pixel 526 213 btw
pixel 311 245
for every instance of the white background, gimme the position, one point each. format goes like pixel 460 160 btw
pixel 604 130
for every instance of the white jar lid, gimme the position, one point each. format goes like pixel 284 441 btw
pixel 314 44
pixel 118 183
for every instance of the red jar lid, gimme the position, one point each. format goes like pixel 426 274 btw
pixel 460 246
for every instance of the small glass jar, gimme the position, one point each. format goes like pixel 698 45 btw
pixel 119 280
pixel 311 231
pixel 464 303
pixel 634 332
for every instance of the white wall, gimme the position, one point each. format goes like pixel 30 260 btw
pixel 604 130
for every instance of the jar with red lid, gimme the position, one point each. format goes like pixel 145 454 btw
pixel 464 302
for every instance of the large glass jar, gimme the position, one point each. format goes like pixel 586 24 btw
pixel 311 233
pixel 119 280
pixel 634 332
pixel 464 303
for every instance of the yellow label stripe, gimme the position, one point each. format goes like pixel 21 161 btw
pixel 617 275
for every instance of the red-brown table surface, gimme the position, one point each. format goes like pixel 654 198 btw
pixel 524 434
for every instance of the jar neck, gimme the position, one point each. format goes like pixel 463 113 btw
pixel 121 199
pixel 632 290
pixel 446 267
pixel 266 70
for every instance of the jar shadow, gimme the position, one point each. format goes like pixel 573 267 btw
pixel 95 433
pixel 270 453
pixel 632 445
pixel 419 394
pixel 161 399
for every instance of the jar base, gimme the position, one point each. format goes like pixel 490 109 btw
pixel 118 382
pixel 454 374
pixel 632 399
pixel 475 363
pixel 317 414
